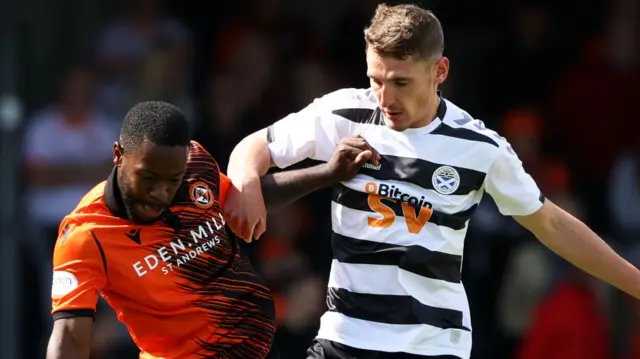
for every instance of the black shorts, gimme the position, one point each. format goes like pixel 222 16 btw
pixel 327 349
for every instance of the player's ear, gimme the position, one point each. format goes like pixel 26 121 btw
pixel 117 153
pixel 441 67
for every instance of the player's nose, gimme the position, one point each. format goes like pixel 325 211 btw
pixel 161 194
pixel 386 96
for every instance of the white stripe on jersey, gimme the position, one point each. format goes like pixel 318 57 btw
pixel 397 239
pixel 391 280
pixel 417 339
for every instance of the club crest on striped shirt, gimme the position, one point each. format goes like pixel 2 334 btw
pixel 445 179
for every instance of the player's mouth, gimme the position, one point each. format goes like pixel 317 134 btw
pixel 392 115
pixel 150 210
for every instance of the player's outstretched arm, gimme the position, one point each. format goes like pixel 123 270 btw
pixel 283 188
pixel 309 133
pixel 250 157
pixel 79 272
pixel 70 339
pixel 244 207
pixel 574 241
pixel 516 194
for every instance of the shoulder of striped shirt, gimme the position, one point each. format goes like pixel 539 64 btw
pixel 459 123
pixel 349 98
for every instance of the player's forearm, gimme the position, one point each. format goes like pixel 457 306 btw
pixel 574 241
pixel 283 188
pixel 64 347
pixel 250 157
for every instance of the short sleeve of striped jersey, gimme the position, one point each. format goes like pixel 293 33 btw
pixel 309 133
pixel 78 273
pixel 511 187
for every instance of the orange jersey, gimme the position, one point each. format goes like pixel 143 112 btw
pixel 181 285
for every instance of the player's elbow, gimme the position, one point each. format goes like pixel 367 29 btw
pixel 250 154
pixel 70 339
pixel 256 140
pixel 544 222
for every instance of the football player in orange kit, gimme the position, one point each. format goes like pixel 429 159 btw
pixel 152 241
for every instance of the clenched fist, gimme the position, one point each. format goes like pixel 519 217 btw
pixel 350 154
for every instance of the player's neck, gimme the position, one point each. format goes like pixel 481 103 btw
pixel 430 115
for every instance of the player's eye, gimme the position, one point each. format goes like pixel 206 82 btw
pixel 401 83
pixel 148 179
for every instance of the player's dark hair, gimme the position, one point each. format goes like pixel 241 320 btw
pixel 156 122
pixel 403 31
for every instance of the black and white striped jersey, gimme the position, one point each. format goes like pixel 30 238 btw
pixel 399 228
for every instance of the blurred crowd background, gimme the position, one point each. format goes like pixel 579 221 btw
pixel 559 79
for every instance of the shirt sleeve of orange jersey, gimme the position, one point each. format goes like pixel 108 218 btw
pixel 79 271
pixel 225 184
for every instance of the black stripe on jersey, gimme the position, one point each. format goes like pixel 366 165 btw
pixel 463 133
pixel 360 115
pixel 359 201
pixel 414 259
pixel 104 258
pixel 323 348
pixel 419 172
pixel 391 309
pixel 270 134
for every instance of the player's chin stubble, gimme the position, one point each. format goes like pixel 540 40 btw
pixel 125 193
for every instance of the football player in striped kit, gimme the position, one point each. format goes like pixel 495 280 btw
pixel 398 226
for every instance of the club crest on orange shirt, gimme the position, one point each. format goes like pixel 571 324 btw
pixel 201 195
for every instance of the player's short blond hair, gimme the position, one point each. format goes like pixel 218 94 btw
pixel 404 31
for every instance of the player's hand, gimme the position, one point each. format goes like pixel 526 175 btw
pixel 244 208
pixel 350 154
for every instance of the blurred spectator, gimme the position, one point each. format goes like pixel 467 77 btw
pixel 348 45
pixel 634 341
pixel 553 177
pixel 140 36
pixel 522 126
pixel 624 196
pixel 569 323
pixel 223 118
pixel 67 151
pixel 593 112
pixel 164 77
pixel 311 79
pixel 527 45
pixel 269 19
pixel 254 61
